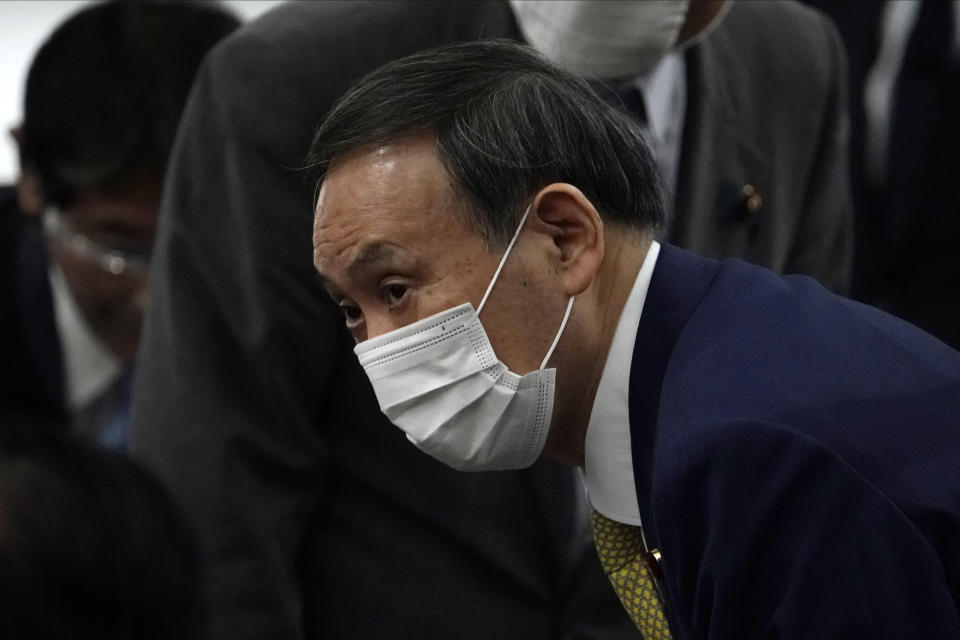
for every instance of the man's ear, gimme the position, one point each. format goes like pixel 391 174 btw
pixel 29 196
pixel 562 211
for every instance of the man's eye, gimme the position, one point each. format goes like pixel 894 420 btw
pixel 350 312
pixel 395 293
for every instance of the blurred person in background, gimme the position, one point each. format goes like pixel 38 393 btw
pixel 317 519
pixel 103 99
pixel 905 156
pixel 744 108
pixel 91 546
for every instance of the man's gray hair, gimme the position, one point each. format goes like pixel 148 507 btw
pixel 506 123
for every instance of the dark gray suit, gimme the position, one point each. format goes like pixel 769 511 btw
pixel 766 107
pixel 317 517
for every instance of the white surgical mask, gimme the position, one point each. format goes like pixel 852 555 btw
pixel 605 39
pixel 439 380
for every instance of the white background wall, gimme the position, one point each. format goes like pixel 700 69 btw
pixel 24 25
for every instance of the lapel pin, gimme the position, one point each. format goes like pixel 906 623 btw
pixel 750 199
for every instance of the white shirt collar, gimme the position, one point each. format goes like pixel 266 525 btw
pixel 89 366
pixel 608 458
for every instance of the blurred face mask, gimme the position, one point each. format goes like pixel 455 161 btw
pixel 439 381
pixel 605 39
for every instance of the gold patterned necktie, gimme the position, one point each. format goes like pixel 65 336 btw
pixel 621 551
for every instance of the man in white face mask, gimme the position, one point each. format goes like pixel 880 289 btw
pixel 761 456
pixel 704 80
pixel 613 39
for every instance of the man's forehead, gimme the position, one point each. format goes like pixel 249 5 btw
pixel 398 182
pixel 377 201
pixel 412 158
pixel 389 178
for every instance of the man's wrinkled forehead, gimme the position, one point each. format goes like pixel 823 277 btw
pixel 379 159
pixel 413 157
pixel 400 169
pixel 375 194
pixel 369 256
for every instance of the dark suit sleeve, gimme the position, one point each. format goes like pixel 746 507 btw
pixel 823 246
pixel 226 396
pixel 766 534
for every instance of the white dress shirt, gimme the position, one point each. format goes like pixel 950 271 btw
pixel 90 368
pixel 608 459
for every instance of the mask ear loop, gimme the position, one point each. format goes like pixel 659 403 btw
pixel 563 325
pixel 493 281
pixel 503 260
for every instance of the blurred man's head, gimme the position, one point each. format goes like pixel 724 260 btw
pixel 103 98
pixel 91 546
pixel 427 168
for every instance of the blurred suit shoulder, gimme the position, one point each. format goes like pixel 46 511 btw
pixel 29 347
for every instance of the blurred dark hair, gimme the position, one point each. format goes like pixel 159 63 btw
pixel 91 546
pixel 105 91
pixel 506 123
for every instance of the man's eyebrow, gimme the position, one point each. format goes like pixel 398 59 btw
pixel 370 255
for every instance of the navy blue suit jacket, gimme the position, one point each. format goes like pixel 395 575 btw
pixel 796 456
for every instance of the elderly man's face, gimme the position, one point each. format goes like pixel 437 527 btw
pixel 393 246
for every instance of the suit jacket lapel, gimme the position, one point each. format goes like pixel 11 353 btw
pixel 718 157
pixel 679 281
